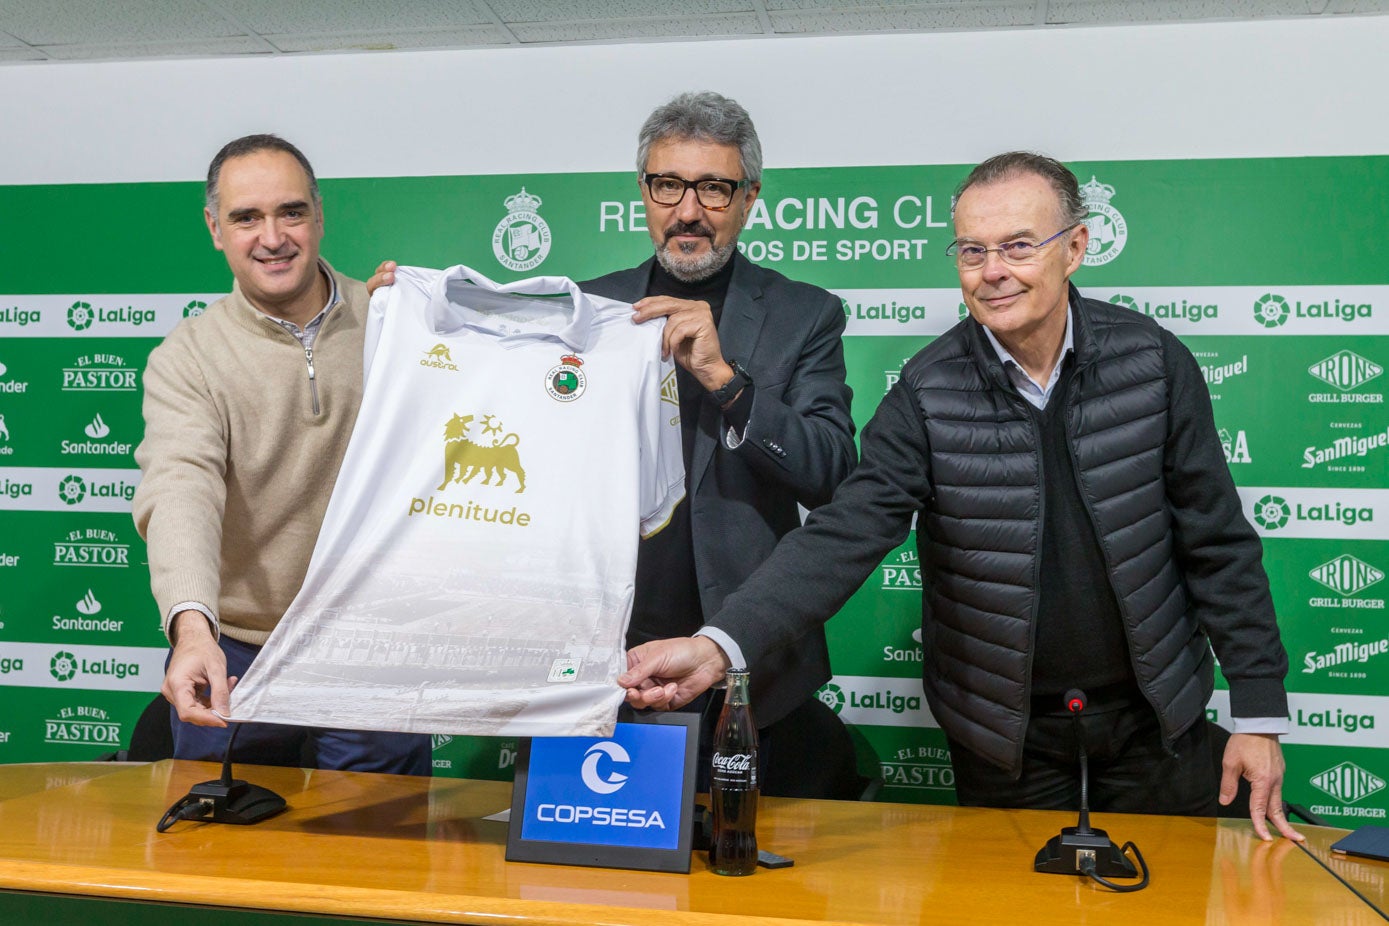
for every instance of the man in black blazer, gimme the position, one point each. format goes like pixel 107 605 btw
pixel 765 411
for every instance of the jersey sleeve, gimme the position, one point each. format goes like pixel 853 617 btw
pixel 662 482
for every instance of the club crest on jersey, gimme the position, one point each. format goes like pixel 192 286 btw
pixel 521 240
pixel 566 382
pixel 492 455
pixel 438 358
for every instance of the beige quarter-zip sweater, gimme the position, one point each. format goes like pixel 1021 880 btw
pixel 245 430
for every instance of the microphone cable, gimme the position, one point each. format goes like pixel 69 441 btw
pixel 1087 868
pixel 194 806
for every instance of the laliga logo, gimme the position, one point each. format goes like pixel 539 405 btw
pixel 589 771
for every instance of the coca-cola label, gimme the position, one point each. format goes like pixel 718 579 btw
pixel 737 770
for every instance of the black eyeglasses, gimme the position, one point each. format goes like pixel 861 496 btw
pixel 1013 252
pixel 715 193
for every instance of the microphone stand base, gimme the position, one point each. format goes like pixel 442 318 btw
pixel 238 802
pixel 1063 853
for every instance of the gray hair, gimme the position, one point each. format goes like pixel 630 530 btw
pixel 1014 164
pixel 706 116
pixel 250 144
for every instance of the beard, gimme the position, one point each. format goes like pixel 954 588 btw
pixel 689 268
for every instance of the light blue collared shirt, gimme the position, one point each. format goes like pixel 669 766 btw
pixel 1031 390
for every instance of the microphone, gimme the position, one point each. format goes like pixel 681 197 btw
pixel 1081 849
pixel 224 800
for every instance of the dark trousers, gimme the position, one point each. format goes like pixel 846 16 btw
pixel 1131 771
pixel 300 747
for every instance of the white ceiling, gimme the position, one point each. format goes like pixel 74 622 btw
pixel 71 30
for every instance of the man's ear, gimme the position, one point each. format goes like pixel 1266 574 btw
pixel 212 228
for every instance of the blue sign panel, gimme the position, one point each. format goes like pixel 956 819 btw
pixel 623 790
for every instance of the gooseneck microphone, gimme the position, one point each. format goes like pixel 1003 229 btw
pixel 1081 849
pixel 224 800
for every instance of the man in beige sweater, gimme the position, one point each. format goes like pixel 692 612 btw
pixel 248 410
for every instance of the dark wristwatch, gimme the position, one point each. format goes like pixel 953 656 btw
pixel 729 390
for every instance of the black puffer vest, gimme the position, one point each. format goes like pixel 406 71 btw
pixel 979 538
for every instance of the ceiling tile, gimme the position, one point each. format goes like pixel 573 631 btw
pixel 539 11
pixel 338 16
pixel 594 31
pixel 387 41
pixel 74 21
pixel 203 48
pixel 1121 11
pixel 21 53
pixel 972 16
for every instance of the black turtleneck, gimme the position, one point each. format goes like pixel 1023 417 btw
pixel 666 600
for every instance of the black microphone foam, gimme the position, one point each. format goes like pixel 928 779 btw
pixel 1075 700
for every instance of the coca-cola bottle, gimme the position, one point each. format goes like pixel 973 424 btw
pixel 733 784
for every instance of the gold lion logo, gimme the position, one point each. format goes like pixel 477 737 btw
pixel 464 458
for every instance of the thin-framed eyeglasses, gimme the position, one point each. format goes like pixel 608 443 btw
pixel 973 256
pixel 715 193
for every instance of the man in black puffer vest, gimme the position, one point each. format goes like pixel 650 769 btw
pixel 1078 528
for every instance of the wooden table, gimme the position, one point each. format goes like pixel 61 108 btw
pixel 409 849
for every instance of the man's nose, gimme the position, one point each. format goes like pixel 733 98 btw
pixel 271 234
pixel 995 267
pixel 688 209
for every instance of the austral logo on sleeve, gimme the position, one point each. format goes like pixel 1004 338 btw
pixel 1108 230
pixel 438 358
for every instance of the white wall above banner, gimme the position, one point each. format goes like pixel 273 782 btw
pixel 1251 89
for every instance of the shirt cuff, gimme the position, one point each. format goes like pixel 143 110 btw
pixel 1275 725
pixel 191 606
pixel 725 643
pixel 737 416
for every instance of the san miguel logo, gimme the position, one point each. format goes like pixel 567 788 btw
pixel 465 457
pixel 521 240
pixel 566 382
pixel 439 358
pixel 1108 230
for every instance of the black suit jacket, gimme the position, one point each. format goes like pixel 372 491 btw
pixel 799 445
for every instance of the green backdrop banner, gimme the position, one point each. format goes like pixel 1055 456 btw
pixel 1274 271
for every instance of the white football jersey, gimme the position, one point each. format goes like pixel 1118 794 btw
pixel 475 568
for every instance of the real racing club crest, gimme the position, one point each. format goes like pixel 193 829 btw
pixel 1108 230
pixel 566 382
pixel 521 240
